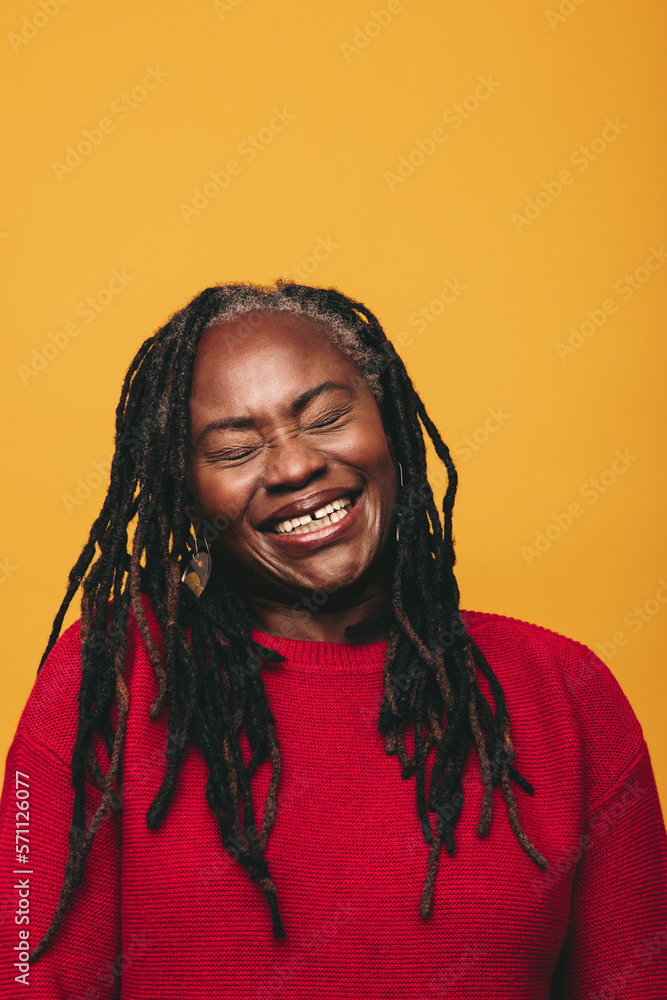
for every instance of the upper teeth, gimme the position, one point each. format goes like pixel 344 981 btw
pixel 328 514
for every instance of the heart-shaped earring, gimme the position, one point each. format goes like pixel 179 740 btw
pixel 198 570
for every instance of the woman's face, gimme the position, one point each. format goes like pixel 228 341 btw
pixel 283 426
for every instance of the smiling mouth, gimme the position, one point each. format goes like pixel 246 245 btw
pixel 329 513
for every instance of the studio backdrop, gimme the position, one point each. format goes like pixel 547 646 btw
pixel 487 178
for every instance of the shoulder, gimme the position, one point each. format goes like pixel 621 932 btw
pixel 523 635
pixel 50 716
pixel 525 646
pixel 565 684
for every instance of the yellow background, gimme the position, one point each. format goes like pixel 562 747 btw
pixel 359 104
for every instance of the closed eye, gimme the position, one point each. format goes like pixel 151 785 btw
pixel 327 421
pixel 232 456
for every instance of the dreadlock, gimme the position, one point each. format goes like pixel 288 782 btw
pixel 208 676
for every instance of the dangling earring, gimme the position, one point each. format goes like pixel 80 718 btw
pixel 400 472
pixel 196 573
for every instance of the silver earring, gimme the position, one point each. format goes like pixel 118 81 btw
pixel 400 472
pixel 196 573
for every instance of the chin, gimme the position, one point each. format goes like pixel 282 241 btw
pixel 335 579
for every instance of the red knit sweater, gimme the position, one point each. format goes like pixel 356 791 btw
pixel 168 913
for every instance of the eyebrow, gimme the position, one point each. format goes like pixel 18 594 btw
pixel 299 404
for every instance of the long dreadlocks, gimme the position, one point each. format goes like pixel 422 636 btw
pixel 210 682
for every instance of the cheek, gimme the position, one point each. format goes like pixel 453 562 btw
pixel 368 451
pixel 220 494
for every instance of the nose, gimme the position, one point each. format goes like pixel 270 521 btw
pixel 291 465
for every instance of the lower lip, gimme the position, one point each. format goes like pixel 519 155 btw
pixel 323 536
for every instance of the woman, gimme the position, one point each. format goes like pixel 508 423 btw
pixel 220 814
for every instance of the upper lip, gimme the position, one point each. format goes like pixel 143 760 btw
pixel 307 504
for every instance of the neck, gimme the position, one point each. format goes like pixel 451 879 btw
pixel 307 621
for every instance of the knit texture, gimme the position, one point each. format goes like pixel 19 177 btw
pixel 167 913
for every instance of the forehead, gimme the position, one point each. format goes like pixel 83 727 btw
pixel 266 356
pixel 281 330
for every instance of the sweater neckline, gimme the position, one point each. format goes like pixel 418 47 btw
pixel 309 656
pixel 312 657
